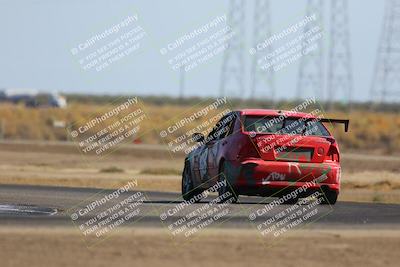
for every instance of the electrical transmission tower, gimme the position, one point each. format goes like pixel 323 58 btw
pixel 232 74
pixel 311 74
pixel 340 81
pixel 386 79
pixel 261 81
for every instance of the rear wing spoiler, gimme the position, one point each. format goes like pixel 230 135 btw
pixel 345 122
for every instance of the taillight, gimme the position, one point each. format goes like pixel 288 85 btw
pixel 332 155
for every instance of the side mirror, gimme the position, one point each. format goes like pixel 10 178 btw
pixel 198 137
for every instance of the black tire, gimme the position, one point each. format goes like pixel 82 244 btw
pixel 222 190
pixel 291 201
pixel 329 197
pixel 187 184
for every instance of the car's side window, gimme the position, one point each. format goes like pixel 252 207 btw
pixel 223 128
pixel 214 134
pixel 231 121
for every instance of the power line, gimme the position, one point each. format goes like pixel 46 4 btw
pixel 262 82
pixel 311 74
pixel 386 77
pixel 340 81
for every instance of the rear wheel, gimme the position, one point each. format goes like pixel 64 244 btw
pixel 187 184
pixel 225 190
pixel 329 197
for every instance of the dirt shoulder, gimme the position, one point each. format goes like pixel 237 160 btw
pixel 151 247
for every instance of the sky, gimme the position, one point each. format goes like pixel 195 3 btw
pixel 37 38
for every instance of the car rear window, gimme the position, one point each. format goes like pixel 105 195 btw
pixel 282 125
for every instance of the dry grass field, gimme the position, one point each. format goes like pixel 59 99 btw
pixel 151 247
pixel 369 131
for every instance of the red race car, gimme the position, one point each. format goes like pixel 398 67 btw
pixel 265 153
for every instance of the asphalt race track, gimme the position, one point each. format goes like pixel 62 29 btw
pixel 40 205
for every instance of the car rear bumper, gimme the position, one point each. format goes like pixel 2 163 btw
pixel 260 177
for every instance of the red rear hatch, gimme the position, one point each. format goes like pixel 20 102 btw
pixel 297 148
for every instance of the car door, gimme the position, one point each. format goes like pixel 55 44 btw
pixel 199 168
pixel 223 130
pixel 204 155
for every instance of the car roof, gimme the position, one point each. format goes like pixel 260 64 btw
pixel 274 112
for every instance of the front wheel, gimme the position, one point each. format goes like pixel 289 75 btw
pixel 225 190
